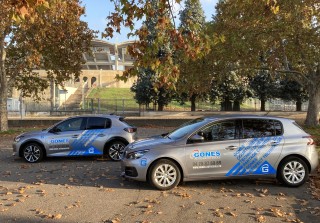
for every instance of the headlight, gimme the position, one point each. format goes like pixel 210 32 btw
pixel 137 154
pixel 18 138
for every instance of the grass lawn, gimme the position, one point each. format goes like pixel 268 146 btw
pixel 111 93
pixel 17 130
pixel 111 98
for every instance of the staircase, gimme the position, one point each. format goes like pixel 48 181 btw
pixel 74 101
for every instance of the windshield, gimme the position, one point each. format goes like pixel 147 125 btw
pixel 186 128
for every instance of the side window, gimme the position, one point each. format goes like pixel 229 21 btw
pixel 278 128
pixel 254 128
pixel 98 123
pixel 74 124
pixel 225 130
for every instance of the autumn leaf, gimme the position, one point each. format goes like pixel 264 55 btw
pixel 232 214
pixel 57 216
pixel 260 219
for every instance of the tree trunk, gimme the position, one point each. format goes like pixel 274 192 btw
pixel 299 105
pixel 312 118
pixel 222 106
pixel 3 90
pixel 263 104
pixel 160 107
pixel 52 95
pixel 226 105
pixel 236 106
pixel 193 102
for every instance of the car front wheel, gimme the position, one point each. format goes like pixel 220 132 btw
pixel 164 175
pixel 115 150
pixel 293 172
pixel 32 153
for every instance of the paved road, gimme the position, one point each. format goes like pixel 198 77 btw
pixel 89 190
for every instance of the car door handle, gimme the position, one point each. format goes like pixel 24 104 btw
pixel 101 135
pixel 231 147
pixel 273 143
pixel 75 136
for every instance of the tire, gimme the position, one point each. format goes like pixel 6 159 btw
pixel 293 172
pixel 164 175
pixel 32 153
pixel 115 150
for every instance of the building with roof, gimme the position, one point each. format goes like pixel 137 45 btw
pixel 108 56
pixel 102 65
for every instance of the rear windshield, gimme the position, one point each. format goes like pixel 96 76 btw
pixel 121 119
pixel 296 124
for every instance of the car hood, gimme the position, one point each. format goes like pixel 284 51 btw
pixel 34 133
pixel 149 142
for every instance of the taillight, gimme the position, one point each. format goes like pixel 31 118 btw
pixel 130 129
pixel 310 140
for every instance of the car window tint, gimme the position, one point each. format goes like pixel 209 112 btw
pixel 186 128
pixel 98 123
pixel 74 124
pixel 254 128
pixel 225 130
pixel 278 128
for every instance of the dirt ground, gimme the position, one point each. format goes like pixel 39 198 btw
pixel 91 190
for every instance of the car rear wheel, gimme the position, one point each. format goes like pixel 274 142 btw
pixel 32 153
pixel 164 174
pixel 293 172
pixel 115 150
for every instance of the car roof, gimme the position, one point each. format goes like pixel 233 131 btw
pixel 97 115
pixel 245 116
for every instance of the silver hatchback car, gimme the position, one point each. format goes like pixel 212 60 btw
pixel 224 147
pixel 77 136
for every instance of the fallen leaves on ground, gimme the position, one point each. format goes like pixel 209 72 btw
pixel 201 202
pixel 260 218
pixel 315 184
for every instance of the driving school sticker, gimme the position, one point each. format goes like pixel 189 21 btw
pixel 143 162
pixel 197 154
pixel 206 164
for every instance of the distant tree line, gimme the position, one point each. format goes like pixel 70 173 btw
pixel 213 77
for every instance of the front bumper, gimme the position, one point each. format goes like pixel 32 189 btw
pixel 134 169
pixel 15 151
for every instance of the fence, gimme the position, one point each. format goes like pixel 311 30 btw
pixel 129 107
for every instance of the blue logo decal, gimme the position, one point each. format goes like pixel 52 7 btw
pixel 143 162
pixel 83 145
pixel 196 154
pixel 86 139
pixel 252 157
pixel 59 141
pixel 265 168
pixel 85 152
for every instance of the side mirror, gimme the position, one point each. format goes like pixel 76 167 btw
pixel 196 138
pixel 54 130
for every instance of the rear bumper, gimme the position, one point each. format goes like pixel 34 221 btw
pixel 314 161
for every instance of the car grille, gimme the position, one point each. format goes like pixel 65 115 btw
pixel 131 171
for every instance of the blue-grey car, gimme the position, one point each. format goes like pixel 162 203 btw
pixel 86 135
pixel 224 147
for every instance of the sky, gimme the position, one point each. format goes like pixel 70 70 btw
pixel 98 10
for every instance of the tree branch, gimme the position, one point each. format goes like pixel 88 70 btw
pixel 170 9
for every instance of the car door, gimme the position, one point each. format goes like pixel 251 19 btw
pixel 93 139
pixel 63 134
pixel 260 147
pixel 214 155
